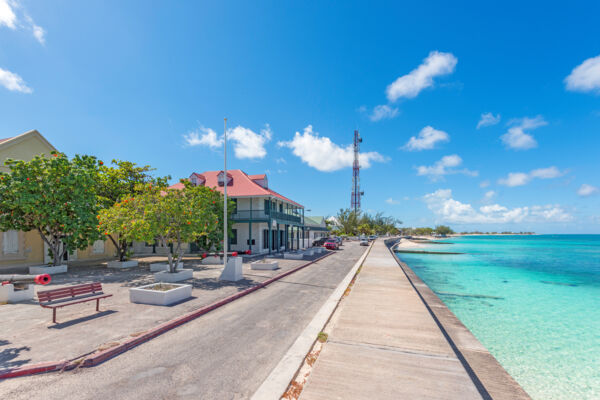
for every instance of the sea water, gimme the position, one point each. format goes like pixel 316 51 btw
pixel 533 301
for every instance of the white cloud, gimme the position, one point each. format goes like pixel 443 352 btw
pixel 546 173
pixel 427 139
pixel 13 82
pixel 246 143
pixel 322 154
pixel 450 210
pixel 383 112
pixel 587 190
pixel 515 179
pixel 516 137
pixel 281 160
pixel 585 77
pixel 207 137
pixel 488 119
pixel 409 86
pixel 521 178
pixel 392 201
pixel 9 18
pixel 7 15
pixel 445 166
pixel 488 196
pixel 484 184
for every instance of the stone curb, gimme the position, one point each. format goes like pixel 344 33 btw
pixel 275 385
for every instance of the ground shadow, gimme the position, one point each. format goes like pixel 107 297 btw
pixel 215 284
pixel 8 355
pixel 62 325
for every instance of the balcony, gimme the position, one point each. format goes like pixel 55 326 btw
pixel 263 215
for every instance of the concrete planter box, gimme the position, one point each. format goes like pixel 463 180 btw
pixel 122 264
pixel 264 265
pixel 156 267
pixel 293 256
pixel 309 252
pixel 48 269
pixel 146 295
pixel 180 275
pixel 212 261
pixel 8 294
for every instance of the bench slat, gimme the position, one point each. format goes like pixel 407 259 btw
pixel 74 301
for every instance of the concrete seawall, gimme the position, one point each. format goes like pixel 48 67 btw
pixel 483 368
pixel 392 337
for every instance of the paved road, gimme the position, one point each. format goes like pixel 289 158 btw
pixel 225 354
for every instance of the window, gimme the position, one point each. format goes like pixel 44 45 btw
pixel 11 242
pixel 280 208
pixel 98 247
pixel 266 206
pixel 265 238
pixel 233 239
pixel 235 206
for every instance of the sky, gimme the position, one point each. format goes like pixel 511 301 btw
pixel 475 115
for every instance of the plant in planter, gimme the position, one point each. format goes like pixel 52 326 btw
pixel 54 196
pixel 115 184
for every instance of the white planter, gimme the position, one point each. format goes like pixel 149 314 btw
pixel 48 269
pixel 293 256
pixel 309 252
pixel 156 267
pixel 233 270
pixel 122 264
pixel 264 265
pixel 8 294
pixel 212 260
pixel 145 294
pixel 180 275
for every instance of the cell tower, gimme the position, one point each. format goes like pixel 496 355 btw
pixel 356 193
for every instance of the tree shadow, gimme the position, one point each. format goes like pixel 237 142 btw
pixel 8 356
pixel 215 284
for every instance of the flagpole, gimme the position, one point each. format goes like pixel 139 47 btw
pixel 225 197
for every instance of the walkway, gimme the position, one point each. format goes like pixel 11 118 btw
pixel 385 344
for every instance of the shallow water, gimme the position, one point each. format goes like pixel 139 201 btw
pixel 533 301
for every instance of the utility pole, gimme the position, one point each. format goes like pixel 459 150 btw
pixel 225 238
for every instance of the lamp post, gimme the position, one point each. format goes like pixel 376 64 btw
pixel 225 195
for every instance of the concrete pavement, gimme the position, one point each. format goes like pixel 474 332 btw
pixel 225 354
pixel 385 344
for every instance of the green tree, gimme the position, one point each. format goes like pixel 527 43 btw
pixel 54 196
pixel 443 230
pixel 348 221
pixel 169 216
pixel 117 183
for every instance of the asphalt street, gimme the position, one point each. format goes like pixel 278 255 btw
pixel 225 354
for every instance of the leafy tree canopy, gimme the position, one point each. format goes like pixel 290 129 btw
pixel 55 196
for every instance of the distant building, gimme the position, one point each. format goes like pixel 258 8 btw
pixel 316 228
pixel 264 221
pixel 28 248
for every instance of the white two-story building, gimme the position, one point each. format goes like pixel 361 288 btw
pixel 263 220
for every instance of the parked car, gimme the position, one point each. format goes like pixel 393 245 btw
pixel 332 244
pixel 372 237
pixel 364 242
pixel 339 240
pixel 319 242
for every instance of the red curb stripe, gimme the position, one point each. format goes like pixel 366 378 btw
pixel 33 369
pixel 148 335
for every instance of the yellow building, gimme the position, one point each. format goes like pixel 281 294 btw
pixel 28 248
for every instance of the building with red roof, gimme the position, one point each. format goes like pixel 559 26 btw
pixel 264 221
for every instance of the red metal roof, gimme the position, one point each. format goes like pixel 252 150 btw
pixel 243 185
pixel 4 140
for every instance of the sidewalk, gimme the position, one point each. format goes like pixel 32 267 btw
pixel 384 344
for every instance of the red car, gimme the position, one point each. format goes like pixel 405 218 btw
pixel 331 245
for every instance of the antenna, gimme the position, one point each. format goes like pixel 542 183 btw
pixel 356 193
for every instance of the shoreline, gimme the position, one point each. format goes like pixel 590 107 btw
pixel 483 367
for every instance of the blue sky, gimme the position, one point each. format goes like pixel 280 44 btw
pixel 152 84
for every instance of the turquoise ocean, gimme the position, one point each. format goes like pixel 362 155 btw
pixel 533 301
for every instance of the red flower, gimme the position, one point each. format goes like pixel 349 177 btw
pixel 101 163
pixel 189 222
pixel 27 178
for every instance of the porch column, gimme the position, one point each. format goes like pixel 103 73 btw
pixel 250 228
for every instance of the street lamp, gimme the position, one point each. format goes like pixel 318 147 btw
pixel 225 194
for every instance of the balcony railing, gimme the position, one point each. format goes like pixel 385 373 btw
pixel 264 214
